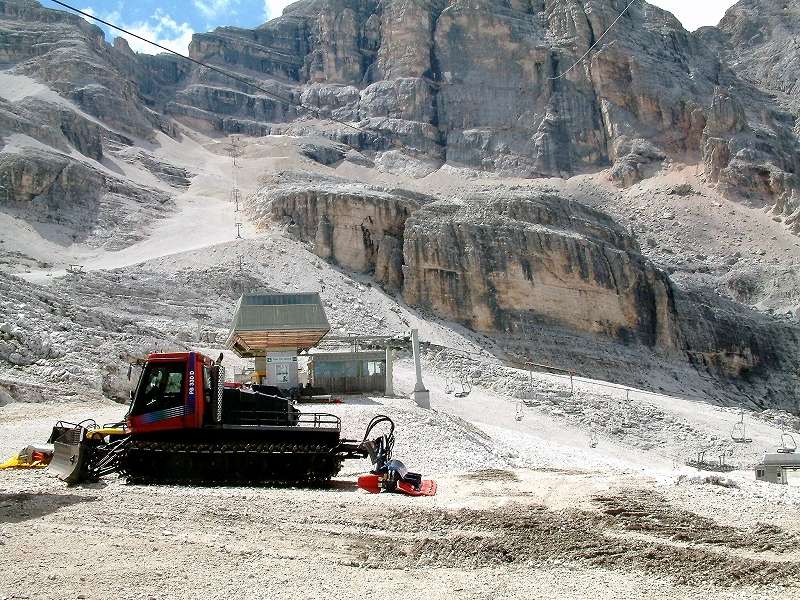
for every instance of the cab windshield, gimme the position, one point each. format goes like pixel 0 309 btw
pixel 161 388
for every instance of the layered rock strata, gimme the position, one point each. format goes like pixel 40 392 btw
pixel 84 204
pixel 515 263
pixel 486 85
pixel 358 227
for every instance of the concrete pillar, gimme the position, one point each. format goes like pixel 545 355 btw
pixel 260 368
pixel 389 373
pixel 421 395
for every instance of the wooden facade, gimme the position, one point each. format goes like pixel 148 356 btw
pixel 264 322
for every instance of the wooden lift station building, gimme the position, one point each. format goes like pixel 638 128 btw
pixel 273 329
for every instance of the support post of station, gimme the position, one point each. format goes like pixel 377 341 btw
pixel 421 395
pixel 389 373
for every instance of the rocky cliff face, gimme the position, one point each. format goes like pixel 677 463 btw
pixel 490 85
pixel 486 85
pixel 741 346
pixel 517 263
pixel 72 57
pixel 68 100
pixel 760 41
pixel 358 227
pixel 86 205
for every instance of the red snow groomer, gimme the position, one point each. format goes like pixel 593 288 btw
pixel 184 426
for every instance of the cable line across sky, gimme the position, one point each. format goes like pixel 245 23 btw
pixel 266 92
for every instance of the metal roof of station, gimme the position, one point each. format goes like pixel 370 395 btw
pixel 782 459
pixel 263 322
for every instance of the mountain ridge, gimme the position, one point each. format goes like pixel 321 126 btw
pixel 453 116
pixel 481 85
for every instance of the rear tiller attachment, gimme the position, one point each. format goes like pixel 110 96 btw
pixel 388 474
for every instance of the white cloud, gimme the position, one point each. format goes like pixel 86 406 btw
pixel 274 8
pixel 696 13
pixel 111 17
pixel 160 28
pixel 213 8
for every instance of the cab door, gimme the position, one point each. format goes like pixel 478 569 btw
pixel 167 395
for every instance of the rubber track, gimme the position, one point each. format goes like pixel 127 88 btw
pixel 229 463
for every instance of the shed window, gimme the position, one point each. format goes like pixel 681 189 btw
pixel 375 367
pixel 336 369
pixel 348 368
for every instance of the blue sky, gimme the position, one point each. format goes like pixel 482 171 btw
pixel 172 22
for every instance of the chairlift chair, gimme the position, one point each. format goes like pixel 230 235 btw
pixel 466 384
pixel 739 432
pixel 788 444
pixel 448 383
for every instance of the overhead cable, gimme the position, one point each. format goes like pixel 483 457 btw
pixel 273 95
pixel 593 46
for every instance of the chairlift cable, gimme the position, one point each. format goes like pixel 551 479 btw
pixel 273 95
pixel 593 46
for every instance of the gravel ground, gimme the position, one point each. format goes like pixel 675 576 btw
pixel 508 521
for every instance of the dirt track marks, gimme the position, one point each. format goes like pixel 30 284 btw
pixel 650 514
pixel 692 549
pixel 492 475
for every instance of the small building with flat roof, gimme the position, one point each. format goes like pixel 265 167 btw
pixel 775 467
pixel 273 329
pixel 349 372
